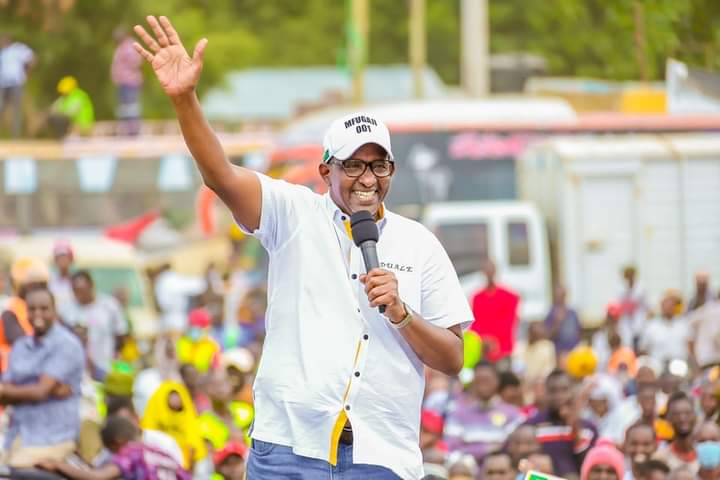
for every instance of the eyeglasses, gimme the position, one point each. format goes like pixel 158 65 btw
pixel 354 168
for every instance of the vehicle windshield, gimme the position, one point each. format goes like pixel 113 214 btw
pixel 466 245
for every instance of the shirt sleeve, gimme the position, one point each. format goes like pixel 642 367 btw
pixel 64 362
pixel 280 212
pixel 443 301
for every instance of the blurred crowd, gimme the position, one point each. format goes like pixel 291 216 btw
pixel 82 397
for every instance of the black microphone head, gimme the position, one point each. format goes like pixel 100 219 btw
pixel 362 224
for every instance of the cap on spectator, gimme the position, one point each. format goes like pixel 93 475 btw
pixel 351 132
pixel 200 318
pixel 232 448
pixel 119 383
pixel 581 362
pixel 603 453
pixel 63 247
pixel 66 85
pixel 431 421
pixel 240 358
pixel 28 270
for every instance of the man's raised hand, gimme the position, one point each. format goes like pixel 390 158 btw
pixel 177 73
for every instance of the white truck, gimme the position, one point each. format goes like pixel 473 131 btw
pixel 652 201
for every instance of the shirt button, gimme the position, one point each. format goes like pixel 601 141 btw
pixel 347 407
pixel 343 218
pixel 358 310
pixel 353 276
pixel 365 337
pixel 357 374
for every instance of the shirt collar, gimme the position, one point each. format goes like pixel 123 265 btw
pixel 40 341
pixel 336 214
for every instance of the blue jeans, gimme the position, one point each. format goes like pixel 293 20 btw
pixel 269 461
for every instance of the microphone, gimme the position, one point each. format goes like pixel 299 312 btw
pixel 365 235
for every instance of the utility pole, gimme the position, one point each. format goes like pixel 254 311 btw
pixel 417 46
pixel 475 47
pixel 640 41
pixel 357 48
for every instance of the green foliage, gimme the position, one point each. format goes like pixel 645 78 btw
pixel 577 37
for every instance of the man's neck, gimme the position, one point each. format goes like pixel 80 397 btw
pixel 683 444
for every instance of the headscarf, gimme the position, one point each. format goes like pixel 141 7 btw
pixel 182 426
pixel 603 453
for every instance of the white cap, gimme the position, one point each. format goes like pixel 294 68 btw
pixel 351 132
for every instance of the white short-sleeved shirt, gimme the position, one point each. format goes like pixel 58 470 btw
pixel 13 60
pixel 327 354
pixel 705 332
pixel 666 340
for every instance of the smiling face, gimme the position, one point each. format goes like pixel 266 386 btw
pixel 41 311
pixel 366 192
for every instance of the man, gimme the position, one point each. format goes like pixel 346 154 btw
pixel 339 386
pixel 495 311
pixel 633 307
pixel 655 335
pixel 498 466
pixel 560 430
pixel 73 109
pixel 43 386
pixel 521 444
pixel 703 294
pixel 60 282
pixel 126 74
pixel 16 59
pixel 478 422
pixel 639 447
pixel 681 451
pixel 562 324
pixel 101 315
pixel 655 470
pixel 704 338
pixel 230 461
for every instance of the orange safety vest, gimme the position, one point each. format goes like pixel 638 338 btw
pixel 19 308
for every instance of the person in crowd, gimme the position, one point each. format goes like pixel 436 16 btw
pixel 646 397
pixel 539 358
pixel 131 458
pixel 60 282
pixel 633 307
pixel 198 347
pixel 704 337
pixel 226 420
pixel 680 452
pixel 709 460
pixel 165 367
pixel 478 423
pixel 612 327
pixel 562 324
pixel 314 325
pixel 703 293
pixel 230 461
pixel 126 75
pixel 193 381
pixel 510 389
pixel 42 383
pixel 669 324
pixel 431 435
pixel 495 311
pixel 603 462
pixel 239 365
pixel 73 110
pixel 462 466
pixel 561 431
pixel 498 466
pixel 173 292
pixel 521 443
pixel 16 60
pixel 101 315
pixel 602 409
pixel 623 361
pixel 654 470
pixel 709 402
pixel 639 447
pixel 171 411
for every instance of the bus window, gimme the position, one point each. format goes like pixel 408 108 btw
pixel 518 244
pixel 466 245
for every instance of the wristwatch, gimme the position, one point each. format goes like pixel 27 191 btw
pixel 406 319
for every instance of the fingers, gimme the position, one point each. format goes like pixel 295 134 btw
pixel 200 50
pixel 143 53
pixel 149 41
pixel 173 37
pixel 159 32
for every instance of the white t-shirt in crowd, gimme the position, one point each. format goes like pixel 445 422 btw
pixel 666 340
pixel 705 332
pixel 104 321
pixel 13 61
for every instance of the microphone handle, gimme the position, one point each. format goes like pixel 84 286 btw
pixel 369 253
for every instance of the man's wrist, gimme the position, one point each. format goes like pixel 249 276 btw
pixel 397 314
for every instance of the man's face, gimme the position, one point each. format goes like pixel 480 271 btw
pixel 485 383
pixel 41 311
pixel 559 392
pixel 522 443
pixel 365 192
pixel 646 401
pixel 708 400
pixel 602 472
pixel 498 467
pixel 63 262
pixel 84 292
pixel 512 395
pixel 233 468
pixel 640 444
pixel 708 432
pixel 682 418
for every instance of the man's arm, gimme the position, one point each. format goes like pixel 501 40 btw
pixel 438 348
pixel 45 388
pixel 106 472
pixel 178 74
